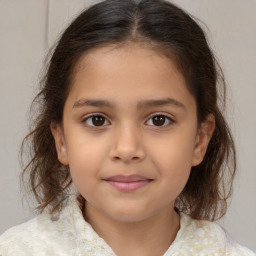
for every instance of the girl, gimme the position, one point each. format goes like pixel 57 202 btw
pixel 130 150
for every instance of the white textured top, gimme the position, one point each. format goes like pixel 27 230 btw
pixel 71 235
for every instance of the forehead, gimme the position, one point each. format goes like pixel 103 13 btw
pixel 129 52
pixel 130 71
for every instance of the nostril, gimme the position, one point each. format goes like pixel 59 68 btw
pixel 126 158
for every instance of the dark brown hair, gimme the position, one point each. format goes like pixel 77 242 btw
pixel 169 30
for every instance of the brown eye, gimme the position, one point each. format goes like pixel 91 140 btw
pixel 159 120
pixel 96 120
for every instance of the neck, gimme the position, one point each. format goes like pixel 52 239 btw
pixel 151 236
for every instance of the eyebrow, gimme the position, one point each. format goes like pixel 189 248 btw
pixel 141 105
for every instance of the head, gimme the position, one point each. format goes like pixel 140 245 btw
pixel 144 32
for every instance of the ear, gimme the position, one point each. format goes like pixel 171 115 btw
pixel 58 134
pixel 203 138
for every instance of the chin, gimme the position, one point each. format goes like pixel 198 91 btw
pixel 129 214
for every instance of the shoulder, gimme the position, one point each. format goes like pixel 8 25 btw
pixel 39 233
pixel 233 248
pixel 65 234
pixel 41 236
pixel 201 237
pixel 16 239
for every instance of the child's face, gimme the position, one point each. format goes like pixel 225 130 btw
pixel 132 160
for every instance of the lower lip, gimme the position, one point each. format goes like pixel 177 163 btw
pixel 128 186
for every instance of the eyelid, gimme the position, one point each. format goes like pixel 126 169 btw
pixel 171 119
pixel 92 115
pixel 168 116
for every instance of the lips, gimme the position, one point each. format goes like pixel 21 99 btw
pixel 128 183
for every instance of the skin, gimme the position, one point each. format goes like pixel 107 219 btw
pixel 141 222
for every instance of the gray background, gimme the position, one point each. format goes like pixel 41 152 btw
pixel 29 27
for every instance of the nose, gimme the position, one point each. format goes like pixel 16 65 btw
pixel 127 145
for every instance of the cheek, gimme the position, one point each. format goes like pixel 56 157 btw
pixel 173 160
pixel 174 166
pixel 85 157
pixel 174 152
pixel 85 150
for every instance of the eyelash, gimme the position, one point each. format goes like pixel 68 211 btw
pixel 91 116
pixel 170 120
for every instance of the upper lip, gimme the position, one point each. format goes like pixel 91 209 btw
pixel 126 178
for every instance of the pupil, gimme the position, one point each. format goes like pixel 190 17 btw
pixel 98 120
pixel 159 120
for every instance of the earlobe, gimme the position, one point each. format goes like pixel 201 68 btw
pixel 60 144
pixel 203 138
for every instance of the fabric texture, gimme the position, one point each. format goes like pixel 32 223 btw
pixel 70 235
